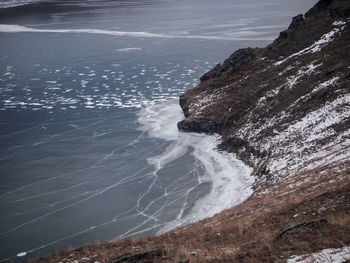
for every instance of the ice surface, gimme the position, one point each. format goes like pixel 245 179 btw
pixel 22 254
pixel 230 178
pixel 238 36
pixel 13 3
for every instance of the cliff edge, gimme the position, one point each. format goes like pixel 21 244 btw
pixel 283 109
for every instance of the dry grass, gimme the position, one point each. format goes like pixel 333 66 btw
pixel 247 232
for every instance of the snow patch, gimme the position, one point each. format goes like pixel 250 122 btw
pixel 291 81
pixel 317 46
pixel 325 84
pixel 334 255
pixel 203 102
pixel 301 136
pixel 330 82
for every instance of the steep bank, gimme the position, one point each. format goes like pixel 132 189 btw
pixel 285 111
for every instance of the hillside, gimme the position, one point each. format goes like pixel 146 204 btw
pixel 284 110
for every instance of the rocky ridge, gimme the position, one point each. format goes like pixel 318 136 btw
pixel 283 109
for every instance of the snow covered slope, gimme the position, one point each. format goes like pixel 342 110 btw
pixel 285 109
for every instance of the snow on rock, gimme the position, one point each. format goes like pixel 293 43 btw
pixel 339 23
pixel 296 146
pixel 317 46
pixel 203 101
pixel 291 148
pixel 307 70
pixel 325 84
pixel 334 255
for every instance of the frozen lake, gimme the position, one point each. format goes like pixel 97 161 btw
pixel 89 148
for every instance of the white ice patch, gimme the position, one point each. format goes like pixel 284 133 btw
pixel 13 3
pixel 129 49
pixel 22 254
pixel 91 94
pixel 230 178
pixel 19 29
pixel 334 255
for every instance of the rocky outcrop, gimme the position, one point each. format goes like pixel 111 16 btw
pixel 306 29
pixel 283 109
pixel 314 224
pixel 233 62
pixel 148 256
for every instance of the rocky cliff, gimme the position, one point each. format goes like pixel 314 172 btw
pixel 283 109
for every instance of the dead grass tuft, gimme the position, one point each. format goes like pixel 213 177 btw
pixel 247 232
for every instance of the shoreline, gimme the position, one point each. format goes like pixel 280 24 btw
pixel 301 197
pixel 221 169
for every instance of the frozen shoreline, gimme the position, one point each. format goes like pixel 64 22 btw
pixel 230 179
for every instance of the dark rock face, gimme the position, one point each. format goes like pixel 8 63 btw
pixel 235 60
pixel 183 104
pixel 149 256
pixel 334 8
pixel 305 30
pixel 280 106
pixel 315 224
pixel 209 126
pixel 297 22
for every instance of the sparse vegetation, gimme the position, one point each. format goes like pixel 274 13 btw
pixel 245 233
